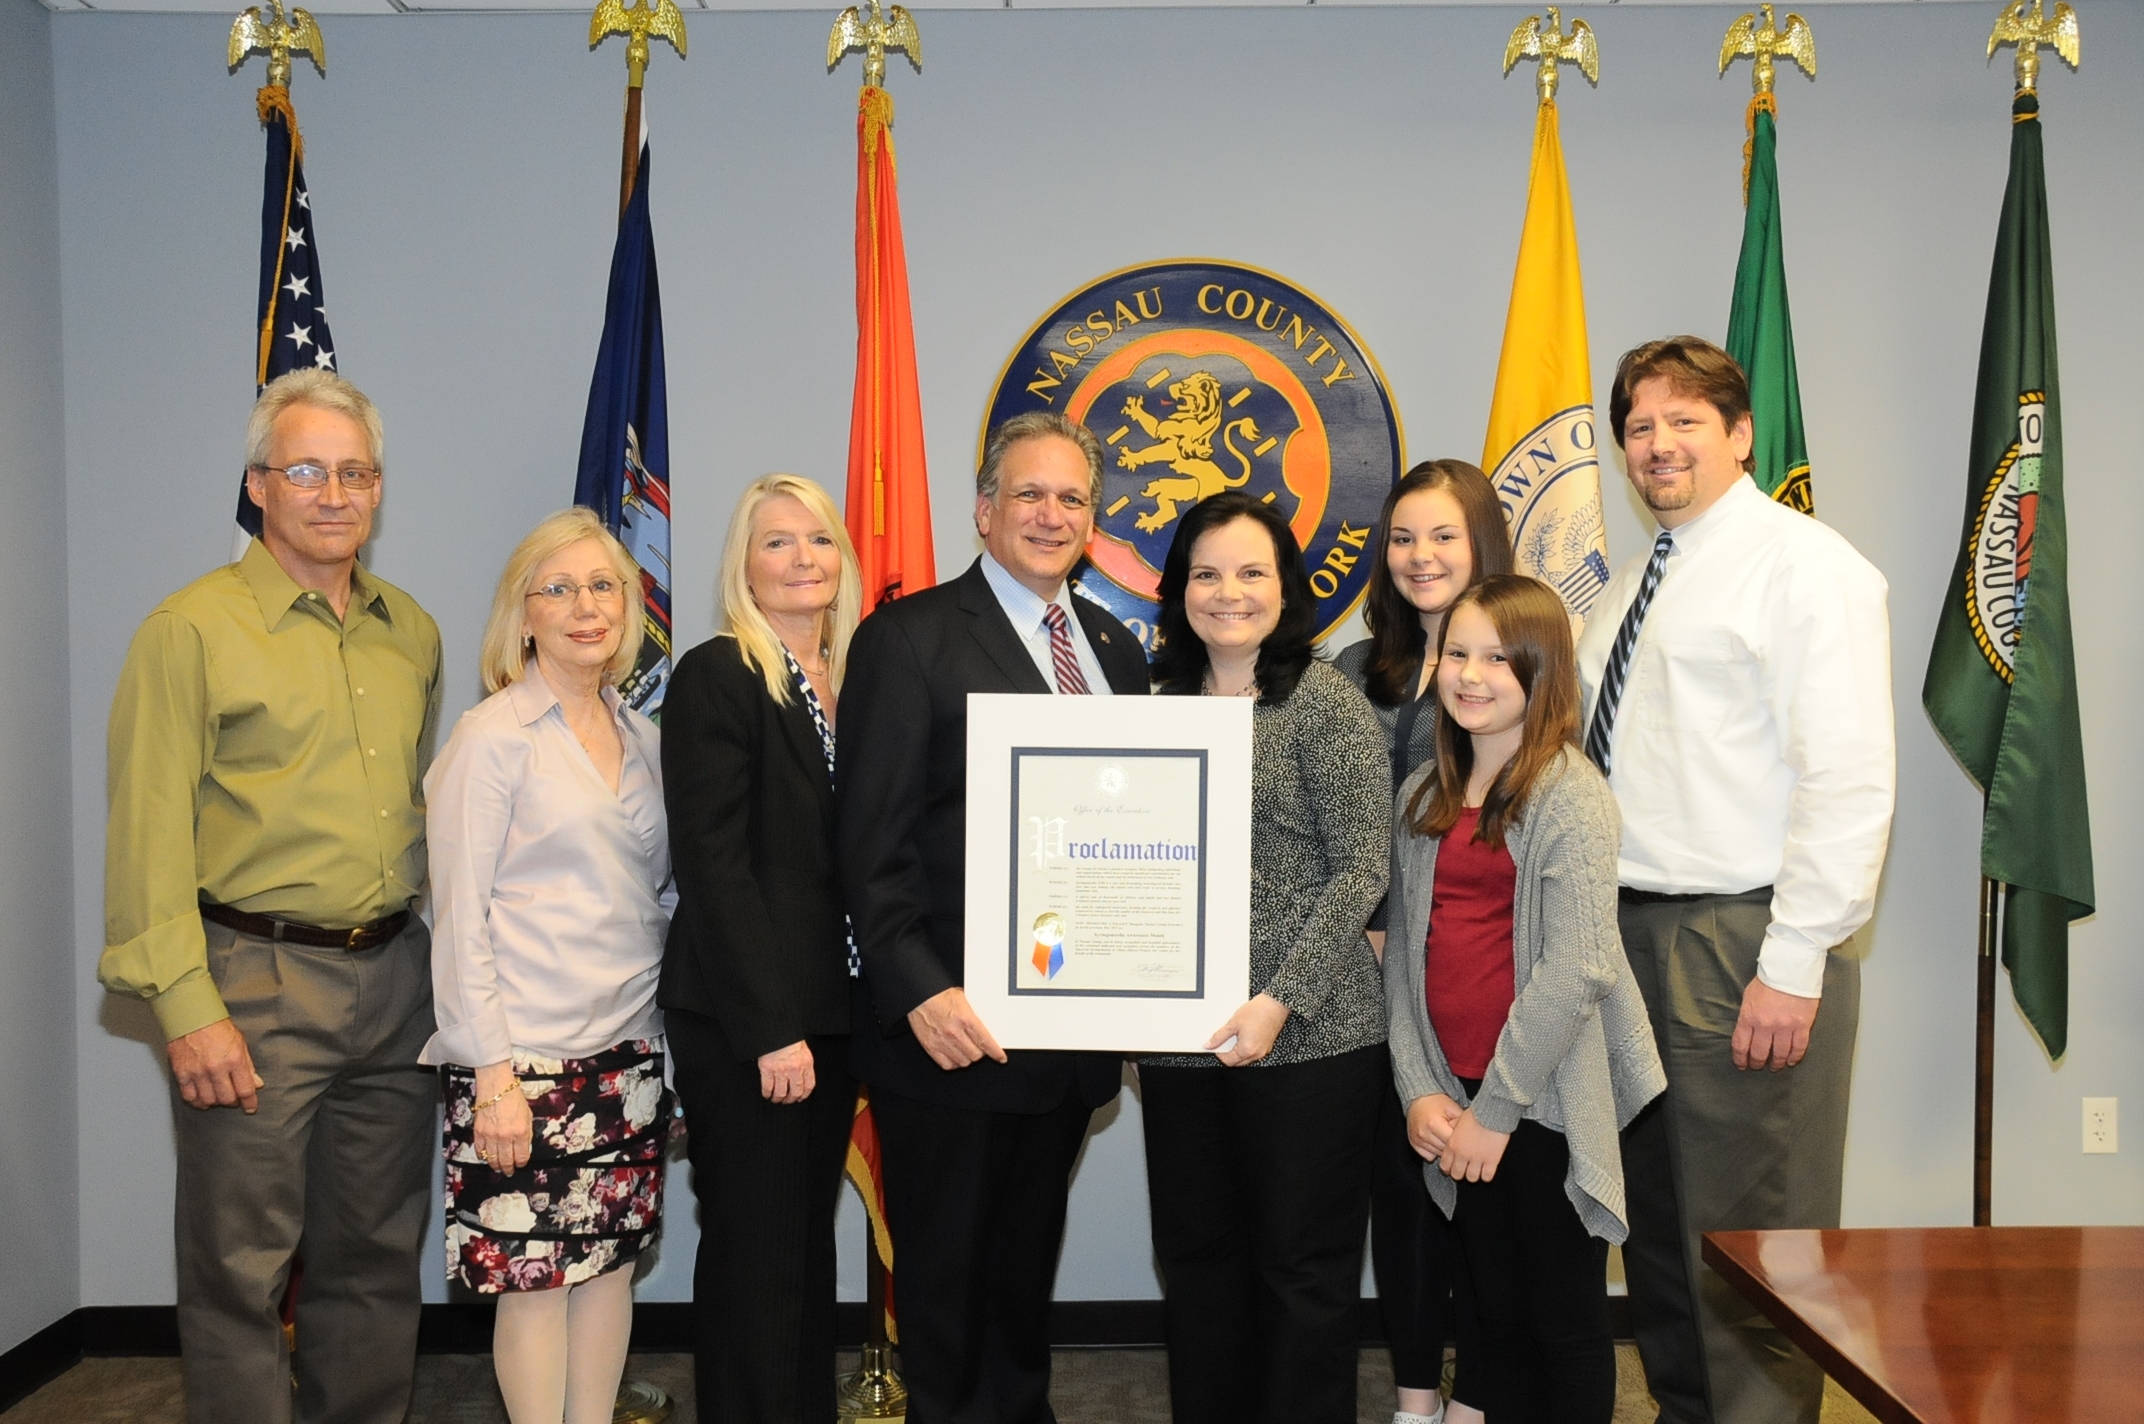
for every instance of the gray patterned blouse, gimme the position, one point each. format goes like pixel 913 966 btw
pixel 1321 843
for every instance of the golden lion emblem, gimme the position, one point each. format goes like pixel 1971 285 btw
pixel 1185 442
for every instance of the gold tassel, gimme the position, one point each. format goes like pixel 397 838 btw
pixel 1749 144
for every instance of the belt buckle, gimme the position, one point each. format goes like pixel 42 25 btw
pixel 350 946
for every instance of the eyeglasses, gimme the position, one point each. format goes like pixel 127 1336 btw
pixel 560 592
pixel 312 477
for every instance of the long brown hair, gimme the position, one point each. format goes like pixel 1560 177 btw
pixel 1396 637
pixel 1535 630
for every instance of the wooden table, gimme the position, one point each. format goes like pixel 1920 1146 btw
pixel 1958 1325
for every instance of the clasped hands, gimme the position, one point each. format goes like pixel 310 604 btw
pixel 1443 1132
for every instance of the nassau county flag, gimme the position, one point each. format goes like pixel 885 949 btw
pixel 889 503
pixel 1760 333
pixel 625 438
pixel 1541 453
pixel 290 330
pixel 2002 678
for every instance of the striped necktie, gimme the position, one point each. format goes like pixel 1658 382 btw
pixel 1071 682
pixel 1602 732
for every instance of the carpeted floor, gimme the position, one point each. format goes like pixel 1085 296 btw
pixel 1091 1387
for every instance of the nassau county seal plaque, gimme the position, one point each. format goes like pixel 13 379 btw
pixel 1200 376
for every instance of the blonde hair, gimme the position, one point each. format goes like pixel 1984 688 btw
pixel 314 387
pixel 741 615
pixel 503 657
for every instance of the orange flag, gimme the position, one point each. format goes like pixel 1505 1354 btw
pixel 889 507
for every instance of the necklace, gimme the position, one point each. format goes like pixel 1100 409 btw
pixel 1208 689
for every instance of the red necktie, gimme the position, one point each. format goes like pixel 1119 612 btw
pixel 1071 682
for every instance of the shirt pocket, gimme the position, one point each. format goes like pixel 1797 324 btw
pixel 1701 676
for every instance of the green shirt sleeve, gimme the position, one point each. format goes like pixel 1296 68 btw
pixel 157 748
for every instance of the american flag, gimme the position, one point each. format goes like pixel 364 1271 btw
pixel 292 332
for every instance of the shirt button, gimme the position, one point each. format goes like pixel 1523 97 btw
pixel 371 752
pixel 361 692
pixel 383 815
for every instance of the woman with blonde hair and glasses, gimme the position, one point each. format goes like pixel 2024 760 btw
pixel 756 979
pixel 551 894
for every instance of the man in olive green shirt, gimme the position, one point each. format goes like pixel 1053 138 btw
pixel 268 744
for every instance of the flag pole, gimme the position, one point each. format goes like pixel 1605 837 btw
pixel 638 1401
pixel 1984 1054
pixel 638 22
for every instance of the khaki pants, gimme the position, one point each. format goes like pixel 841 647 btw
pixel 1725 1150
pixel 335 1166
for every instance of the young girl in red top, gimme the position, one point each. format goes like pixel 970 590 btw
pixel 1519 1042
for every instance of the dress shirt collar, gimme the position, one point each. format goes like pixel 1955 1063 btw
pixel 1726 510
pixel 532 696
pixel 1022 604
pixel 277 592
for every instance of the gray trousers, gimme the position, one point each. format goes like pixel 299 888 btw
pixel 1726 1150
pixel 335 1167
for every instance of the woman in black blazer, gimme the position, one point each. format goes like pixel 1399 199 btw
pixel 755 983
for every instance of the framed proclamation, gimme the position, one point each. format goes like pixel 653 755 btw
pixel 1109 869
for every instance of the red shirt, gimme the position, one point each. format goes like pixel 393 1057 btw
pixel 1468 978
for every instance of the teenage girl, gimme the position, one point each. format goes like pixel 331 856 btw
pixel 1519 1042
pixel 1442 531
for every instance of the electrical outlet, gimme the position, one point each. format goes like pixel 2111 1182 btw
pixel 2100 1125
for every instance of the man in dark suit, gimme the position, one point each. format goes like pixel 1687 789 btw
pixel 978 1143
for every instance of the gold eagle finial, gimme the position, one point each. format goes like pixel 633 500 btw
pixel 1767 42
pixel 1552 47
pixel 638 22
pixel 280 38
pixel 893 29
pixel 2028 31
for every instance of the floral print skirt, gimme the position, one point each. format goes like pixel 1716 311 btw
pixel 591 1195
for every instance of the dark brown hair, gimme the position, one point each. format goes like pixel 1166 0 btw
pixel 1535 630
pixel 1692 366
pixel 1397 641
pixel 1180 661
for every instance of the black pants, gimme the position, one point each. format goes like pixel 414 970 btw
pixel 768 1178
pixel 1540 1287
pixel 976 1204
pixel 1414 1253
pixel 1258 1180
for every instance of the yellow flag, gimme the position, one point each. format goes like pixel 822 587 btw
pixel 1540 452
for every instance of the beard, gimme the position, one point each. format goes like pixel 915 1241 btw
pixel 1670 494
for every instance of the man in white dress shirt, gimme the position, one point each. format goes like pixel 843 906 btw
pixel 1738 694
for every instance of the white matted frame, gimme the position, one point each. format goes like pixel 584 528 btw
pixel 1109 869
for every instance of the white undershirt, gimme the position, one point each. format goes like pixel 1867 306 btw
pixel 1754 742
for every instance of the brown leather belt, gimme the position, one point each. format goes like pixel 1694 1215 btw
pixel 356 941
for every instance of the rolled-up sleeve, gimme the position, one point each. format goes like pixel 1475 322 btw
pixel 469 796
pixel 157 747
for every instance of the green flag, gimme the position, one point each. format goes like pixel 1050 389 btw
pixel 1760 333
pixel 2002 683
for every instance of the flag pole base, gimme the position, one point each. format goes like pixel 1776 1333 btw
pixel 874 1391
pixel 641 1403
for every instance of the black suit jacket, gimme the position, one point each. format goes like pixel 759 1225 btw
pixel 759 942
pixel 903 829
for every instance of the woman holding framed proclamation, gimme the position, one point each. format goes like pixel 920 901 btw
pixel 551 894
pixel 756 979
pixel 1259 1155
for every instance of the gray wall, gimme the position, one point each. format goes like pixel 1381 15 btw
pixel 464 178
pixel 38 985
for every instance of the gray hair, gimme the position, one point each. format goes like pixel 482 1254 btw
pixel 319 388
pixel 1035 425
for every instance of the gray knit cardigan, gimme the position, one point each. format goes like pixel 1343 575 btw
pixel 1577 1054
